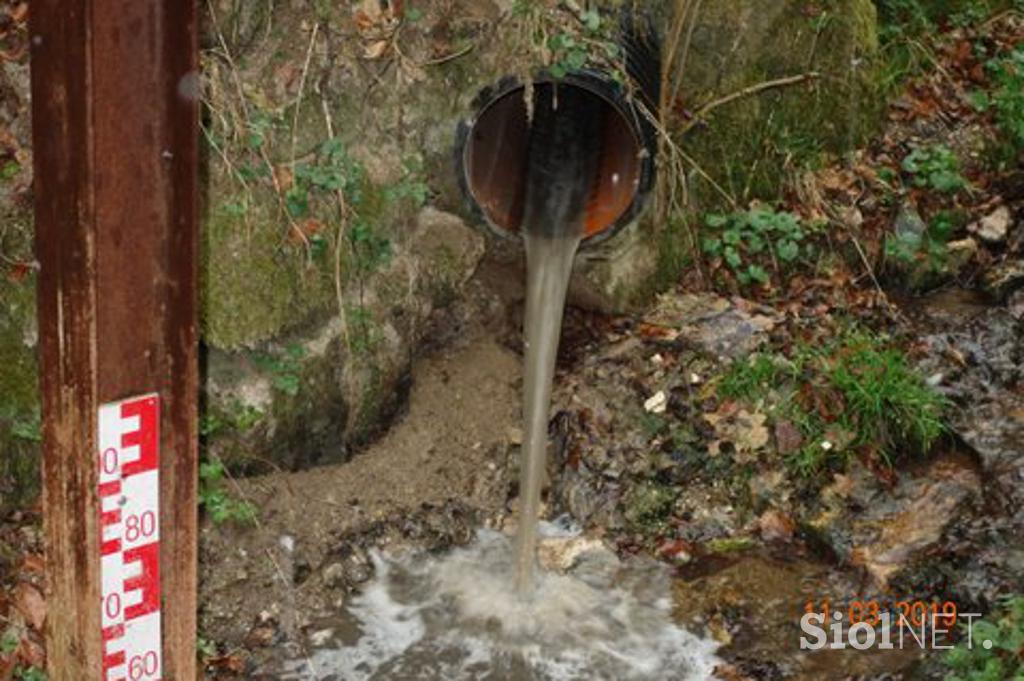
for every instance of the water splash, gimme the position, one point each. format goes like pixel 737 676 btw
pixel 458 617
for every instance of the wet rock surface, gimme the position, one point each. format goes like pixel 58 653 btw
pixel 889 532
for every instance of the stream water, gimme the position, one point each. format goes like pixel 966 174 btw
pixel 459 617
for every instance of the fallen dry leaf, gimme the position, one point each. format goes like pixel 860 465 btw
pixel 747 432
pixel 376 50
pixel 788 437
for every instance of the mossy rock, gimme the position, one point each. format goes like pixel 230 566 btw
pixel 747 145
pixel 256 282
pixel 315 393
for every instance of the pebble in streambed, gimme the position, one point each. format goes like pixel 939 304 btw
pixel 459 617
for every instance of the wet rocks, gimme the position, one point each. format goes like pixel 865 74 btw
pixel 561 554
pixel 717 326
pixel 1004 278
pixel 890 537
pixel 892 532
pixel 334 575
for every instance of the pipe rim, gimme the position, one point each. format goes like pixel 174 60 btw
pixel 599 84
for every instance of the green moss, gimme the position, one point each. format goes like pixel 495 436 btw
pixel 19 395
pixel 648 507
pixel 731 544
pixel 255 283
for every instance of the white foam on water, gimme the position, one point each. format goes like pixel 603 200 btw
pixel 458 617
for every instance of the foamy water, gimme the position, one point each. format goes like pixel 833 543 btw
pixel 458 617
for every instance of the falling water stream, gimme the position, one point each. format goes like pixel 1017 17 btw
pixel 549 266
pixel 562 168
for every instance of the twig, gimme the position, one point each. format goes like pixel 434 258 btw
pixel 684 55
pixel 230 60
pixel 999 16
pixel 302 87
pixel 746 92
pixel 339 287
pixel 448 57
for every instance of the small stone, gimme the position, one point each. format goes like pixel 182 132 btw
pixel 909 221
pixel 776 526
pixel 514 436
pixel 1005 278
pixel 959 254
pixel 260 636
pixel 657 403
pixel 993 228
pixel 334 575
pixel 1016 305
pixel 788 437
pixel 851 216
pixel 560 554
pixel 319 639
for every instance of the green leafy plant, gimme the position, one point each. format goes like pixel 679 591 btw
pixel 9 170
pixel 205 648
pixel 333 171
pixel 9 641
pixel 363 330
pixel 748 240
pixel 215 499
pixel 28 428
pixel 29 674
pixel 285 369
pixel 571 52
pixel 236 416
pixel 935 167
pixel 370 249
pixel 1007 97
pixel 1004 659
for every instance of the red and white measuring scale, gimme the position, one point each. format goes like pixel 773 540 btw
pixel 129 491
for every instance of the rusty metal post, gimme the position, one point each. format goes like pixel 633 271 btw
pixel 115 101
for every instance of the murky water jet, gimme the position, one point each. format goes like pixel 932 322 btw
pixel 558 163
